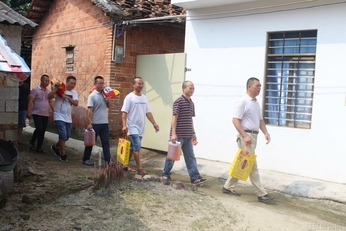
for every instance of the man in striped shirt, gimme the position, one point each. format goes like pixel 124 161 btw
pixel 182 130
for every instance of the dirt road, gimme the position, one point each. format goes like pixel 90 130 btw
pixel 61 198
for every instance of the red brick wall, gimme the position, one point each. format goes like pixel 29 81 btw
pixel 84 25
pixel 143 39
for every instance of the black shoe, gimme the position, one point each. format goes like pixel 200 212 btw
pixel 265 198
pixel 55 150
pixel 88 162
pixel 32 146
pixel 230 191
pixel 199 181
pixel 64 158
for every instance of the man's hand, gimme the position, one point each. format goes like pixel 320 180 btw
pixel 247 139
pixel 124 129
pixel 156 127
pixel 90 127
pixel 267 137
pixel 174 138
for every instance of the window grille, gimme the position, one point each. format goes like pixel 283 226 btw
pixel 290 75
pixel 69 60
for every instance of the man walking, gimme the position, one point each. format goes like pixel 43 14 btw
pixel 134 110
pixel 62 115
pixel 98 120
pixel 183 131
pixel 38 108
pixel 247 119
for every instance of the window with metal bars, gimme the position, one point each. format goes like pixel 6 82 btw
pixel 69 59
pixel 290 75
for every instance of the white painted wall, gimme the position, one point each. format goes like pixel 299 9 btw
pixel 223 53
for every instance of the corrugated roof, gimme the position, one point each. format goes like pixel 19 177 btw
pixel 9 16
pixel 12 62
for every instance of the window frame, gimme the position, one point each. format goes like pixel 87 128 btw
pixel 289 78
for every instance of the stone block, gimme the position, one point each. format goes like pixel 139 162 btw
pixel 12 80
pixel 2 80
pixel 9 118
pixel 2 105
pixel 11 93
pixel 11 106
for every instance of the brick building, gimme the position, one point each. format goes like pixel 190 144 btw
pixel 87 38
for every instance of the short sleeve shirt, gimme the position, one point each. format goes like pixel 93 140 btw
pixel 63 107
pixel 136 108
pixel 41 102
pixel 97 101
pixel 185 109
pixel 248 110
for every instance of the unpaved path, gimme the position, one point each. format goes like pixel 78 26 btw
pixel 63 199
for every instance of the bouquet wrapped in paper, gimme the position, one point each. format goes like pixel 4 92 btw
pixel 108 92
pixel 60 85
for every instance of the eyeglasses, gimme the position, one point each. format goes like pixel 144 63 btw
pixel 100 83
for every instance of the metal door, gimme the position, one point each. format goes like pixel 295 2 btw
pixel 163 76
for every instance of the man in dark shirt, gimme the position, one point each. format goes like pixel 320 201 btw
pixel 24 92
pixel 182 130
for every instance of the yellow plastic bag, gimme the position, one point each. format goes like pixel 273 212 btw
pixel 123 152
pixel 242 164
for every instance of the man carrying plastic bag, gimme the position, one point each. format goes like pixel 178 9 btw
pixel 247 119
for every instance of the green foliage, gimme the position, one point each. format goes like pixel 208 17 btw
pixel 7 2
pixel 20 6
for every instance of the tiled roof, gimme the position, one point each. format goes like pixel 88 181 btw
pixel 117 9
pixel 9 16
pixel 137 9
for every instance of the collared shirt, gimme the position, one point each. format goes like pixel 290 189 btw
pixel 41 103
pixel 97 101
pixel 248 110
pixel 185 109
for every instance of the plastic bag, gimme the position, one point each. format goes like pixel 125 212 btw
pixel 242 164
pixel 123 152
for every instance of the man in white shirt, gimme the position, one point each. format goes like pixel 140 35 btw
pixel 248 120
pixel 134 110
pixel 62 115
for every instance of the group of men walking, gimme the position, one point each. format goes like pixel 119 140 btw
pixel 247 120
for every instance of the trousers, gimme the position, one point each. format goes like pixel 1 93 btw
pixel 254 175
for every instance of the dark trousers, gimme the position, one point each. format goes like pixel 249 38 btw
pixel 103 131
pixel 41 126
